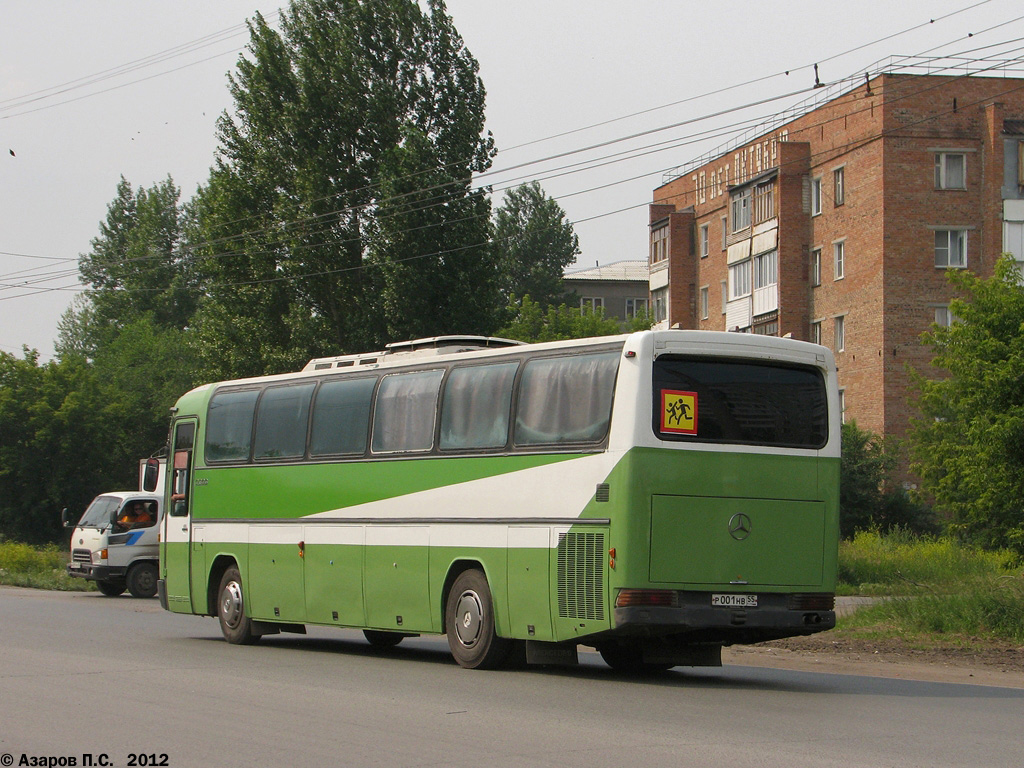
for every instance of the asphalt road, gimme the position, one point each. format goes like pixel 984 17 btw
pixel 85 677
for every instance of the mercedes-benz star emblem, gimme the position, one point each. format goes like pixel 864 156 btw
pixel 739 526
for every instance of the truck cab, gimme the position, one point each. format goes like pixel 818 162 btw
pixel 115 542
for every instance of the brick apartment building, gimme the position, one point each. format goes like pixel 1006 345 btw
pixel 839 225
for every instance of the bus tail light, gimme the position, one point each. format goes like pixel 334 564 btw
pixel 661 598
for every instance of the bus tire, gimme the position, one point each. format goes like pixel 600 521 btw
pixel 235 625
pixel 469 624
pixel 141 580
pixel 379 639
pixel 111 588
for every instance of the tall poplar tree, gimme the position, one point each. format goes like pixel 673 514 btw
pixel 340 209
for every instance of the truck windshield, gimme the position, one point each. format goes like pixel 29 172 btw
pixel 100 512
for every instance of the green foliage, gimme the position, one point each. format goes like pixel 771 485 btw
pixel 899 561
pixel 869 499
pixel 535 244
pixel 61 442
pixel 969 446
pixel 135 268
pixel 22 565
pixel 532 324
pixel 340 213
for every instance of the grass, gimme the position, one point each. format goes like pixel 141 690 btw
pixel 934 587
pixel 22 565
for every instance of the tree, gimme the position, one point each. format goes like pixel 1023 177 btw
pixel 869 497
pixel 60 443
pixel 135 266
pixel 532 324
pixel 968 447
pixel 535 244
pixel 342 188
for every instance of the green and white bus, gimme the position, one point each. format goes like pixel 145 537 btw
pixel 655 496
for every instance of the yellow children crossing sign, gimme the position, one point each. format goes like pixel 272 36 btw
pixel 678 412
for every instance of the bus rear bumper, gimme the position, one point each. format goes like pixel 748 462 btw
pixel 694 618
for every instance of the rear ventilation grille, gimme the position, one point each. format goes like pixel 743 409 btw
pixel 603 492
pixel 580 582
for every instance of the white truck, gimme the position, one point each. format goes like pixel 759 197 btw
pixel 115 542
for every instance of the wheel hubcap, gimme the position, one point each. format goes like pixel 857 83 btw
pixel 231 604
pixel 469 616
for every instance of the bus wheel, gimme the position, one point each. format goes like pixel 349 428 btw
pixel 111 588
pixel 234 624
pixel 379 639
pixel 142 580
pixel 629 658
pixel 469 622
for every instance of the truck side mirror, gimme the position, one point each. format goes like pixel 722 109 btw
pixel 152 474
pixel 65 518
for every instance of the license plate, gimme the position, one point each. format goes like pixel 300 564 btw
pixel 735 601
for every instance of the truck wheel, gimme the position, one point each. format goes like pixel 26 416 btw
pixel 234 624
pixel 142 580
pixel 469 622
pixel 111 588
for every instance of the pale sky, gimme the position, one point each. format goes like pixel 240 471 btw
pixel 93 91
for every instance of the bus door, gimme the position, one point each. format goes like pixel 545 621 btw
pixel 176 550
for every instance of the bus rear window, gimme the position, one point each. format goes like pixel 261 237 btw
pixel 731 401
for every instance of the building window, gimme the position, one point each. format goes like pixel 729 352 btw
pixel 950 170
pixel 816 196
pixel 725 232
pixel 951 248
pixel 635 307
pixel 764 202
pixel 705 240
pixel 839 186
pixel 816 266
pixel 944 317
pixel 739 280
pixel 725 294
pixel 659 245
pixel 592 303
pixel 766 269
pixel 740 210
pixel 704 303
pixel 816 333
pixel 840 329
pixel 660 299
pixel 839 259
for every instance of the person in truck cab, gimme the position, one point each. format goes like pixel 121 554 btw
pixel 136 515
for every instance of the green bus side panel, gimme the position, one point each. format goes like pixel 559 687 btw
pixel 773 542
pixel 528 583
pixel 579 583
pixel 334 585
pixel 275 590
pixel 396 582
pixel 294 491
pixel 174 563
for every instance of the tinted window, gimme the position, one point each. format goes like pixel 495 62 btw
pixel 229 425
pixel 403 419
pixel 566 399
pixel 476 407
pixel 728 401
pixel 281 421
pixel 341 416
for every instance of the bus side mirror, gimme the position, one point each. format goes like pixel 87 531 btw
pixel 151 475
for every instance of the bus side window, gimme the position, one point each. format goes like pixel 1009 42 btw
pixel 179 487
